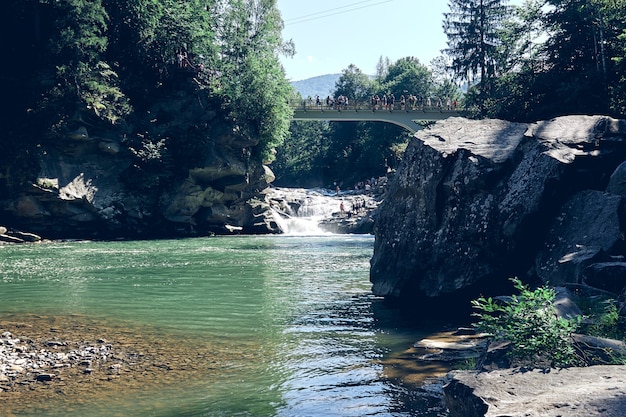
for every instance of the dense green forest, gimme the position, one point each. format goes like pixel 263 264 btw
pixel 543 59
pixel 105 63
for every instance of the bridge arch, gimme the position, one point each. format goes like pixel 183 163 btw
pixel 410 118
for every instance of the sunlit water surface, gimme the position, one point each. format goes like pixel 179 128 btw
pixel 302 332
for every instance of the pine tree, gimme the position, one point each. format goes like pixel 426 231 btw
pixel 472 28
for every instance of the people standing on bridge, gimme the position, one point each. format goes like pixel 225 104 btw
pixel 412 99
pixel 391 100
pixel 318 102
pixel 428 102
pixel 340 101
pixel 402 102
pixel 384 101
pixel 448 104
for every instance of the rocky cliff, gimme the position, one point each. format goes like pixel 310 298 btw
pixel 93 180
pixel 477 202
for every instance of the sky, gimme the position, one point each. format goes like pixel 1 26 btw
pixel 329 35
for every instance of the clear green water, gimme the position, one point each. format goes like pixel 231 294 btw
pixel 302 333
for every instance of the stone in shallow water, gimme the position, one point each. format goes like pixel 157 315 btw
pixel 44 377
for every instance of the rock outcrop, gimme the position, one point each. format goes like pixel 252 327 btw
pixel 546 393
pixel 477 202
pixel 99 182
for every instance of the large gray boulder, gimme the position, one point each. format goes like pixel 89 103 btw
pixel 586 227
pixel 473 201
pixel 572 392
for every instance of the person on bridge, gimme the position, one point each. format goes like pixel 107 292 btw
pixel 412 99
pixel 377 100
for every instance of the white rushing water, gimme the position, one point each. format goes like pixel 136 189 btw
pixel 298 211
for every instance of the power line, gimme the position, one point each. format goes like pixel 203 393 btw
pixel 326 13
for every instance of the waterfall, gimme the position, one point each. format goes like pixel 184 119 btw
pixel 298 226
pixel 299 211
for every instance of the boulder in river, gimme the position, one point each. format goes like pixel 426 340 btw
pixel 476 202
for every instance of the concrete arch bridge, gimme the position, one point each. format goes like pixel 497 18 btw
pixel 410 118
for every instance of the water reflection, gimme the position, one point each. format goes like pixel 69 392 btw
pixel 250 326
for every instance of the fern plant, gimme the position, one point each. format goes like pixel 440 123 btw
pixel 529 321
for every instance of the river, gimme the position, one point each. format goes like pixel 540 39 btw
pixel 265 325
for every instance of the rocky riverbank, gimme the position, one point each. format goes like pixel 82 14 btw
pixel 572 392
pixel 65 361
pixel 16 236
pixel 493 391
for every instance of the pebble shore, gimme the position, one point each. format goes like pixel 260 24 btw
pixel 51 363
pixel 24 361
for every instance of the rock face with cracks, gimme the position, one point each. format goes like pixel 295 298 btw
pixel 546 393
pixel 476 202
pixel 99 184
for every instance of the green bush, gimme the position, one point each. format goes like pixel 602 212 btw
pixel 604 320
pixel 530 322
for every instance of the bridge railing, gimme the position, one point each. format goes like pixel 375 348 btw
pixel 305 105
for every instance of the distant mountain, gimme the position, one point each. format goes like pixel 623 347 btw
pixel 322 85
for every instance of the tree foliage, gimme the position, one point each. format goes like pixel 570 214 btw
pixel 301 160
pixel 473 31
pixel 551 58
pixel 354 84
pixel 408 76
pixel 256 89
pixel 107 63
